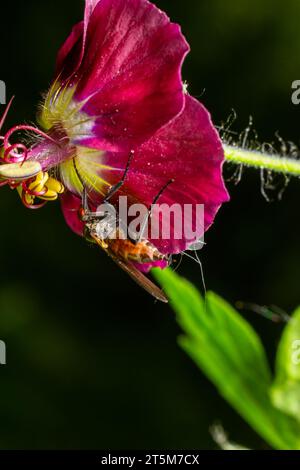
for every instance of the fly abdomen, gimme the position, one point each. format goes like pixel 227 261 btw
pixel 142 252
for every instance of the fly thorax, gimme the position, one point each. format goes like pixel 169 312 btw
pixel 105 230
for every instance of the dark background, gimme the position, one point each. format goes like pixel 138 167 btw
pixel 92 361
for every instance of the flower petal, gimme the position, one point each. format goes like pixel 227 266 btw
pixel 70 207
pixel 146 267
pixel 89 8
pixel 71 53
pixel 130 72
pixel 190 152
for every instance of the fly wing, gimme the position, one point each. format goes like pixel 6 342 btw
pixel 142 280
pixel 138 277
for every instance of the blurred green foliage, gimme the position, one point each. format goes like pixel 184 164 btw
pixel 228 350
pixel 286 389
pixel 92 361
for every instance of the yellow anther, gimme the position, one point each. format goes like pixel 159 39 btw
pixel 55 185
pixel 20 190
pixel 38 185
pixel 41 177
pixel 54 188
pixel 49 196
pixel 17 171
pixel 27 197
pixel 42 187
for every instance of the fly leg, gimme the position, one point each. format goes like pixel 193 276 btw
pixel 114 189
pixel 150 210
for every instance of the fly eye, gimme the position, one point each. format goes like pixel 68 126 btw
pixel 81 213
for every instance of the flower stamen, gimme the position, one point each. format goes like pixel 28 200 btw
pixel 26 176
pixel 42 187
pixel 4 116
pixel 12 152
pixel 31 183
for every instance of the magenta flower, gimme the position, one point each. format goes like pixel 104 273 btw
pixel 118 91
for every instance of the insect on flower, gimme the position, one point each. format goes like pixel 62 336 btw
pixel 124 252
pixel 118 90
pixel 108 233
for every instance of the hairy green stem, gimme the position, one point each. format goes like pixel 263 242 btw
pixel 255 159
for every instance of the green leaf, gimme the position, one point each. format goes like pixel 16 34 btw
pixel 227 349
pixel 285 392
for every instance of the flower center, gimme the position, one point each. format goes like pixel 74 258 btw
pixel 27 169
pixel 23 169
